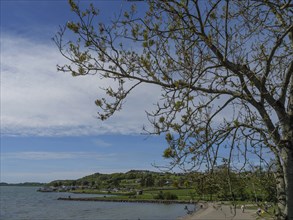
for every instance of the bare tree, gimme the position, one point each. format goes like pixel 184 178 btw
pixel 225 70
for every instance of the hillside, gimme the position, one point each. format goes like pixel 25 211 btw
pixel 258 185
pixel 134 179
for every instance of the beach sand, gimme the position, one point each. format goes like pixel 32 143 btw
pixel 217 211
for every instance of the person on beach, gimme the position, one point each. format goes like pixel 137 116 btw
pixel 266 207
pixel 258 212
pixel 243 208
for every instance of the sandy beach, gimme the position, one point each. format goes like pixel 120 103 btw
pixel 216 211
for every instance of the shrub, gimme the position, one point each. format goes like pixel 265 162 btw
pixel 166 196
pixel 170 196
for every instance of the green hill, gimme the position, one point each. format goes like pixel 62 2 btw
pixel 132 179
pixel 219 184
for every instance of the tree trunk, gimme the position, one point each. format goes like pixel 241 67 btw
pixel 284 178
pixel 289 184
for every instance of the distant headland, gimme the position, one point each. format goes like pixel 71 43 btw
pixel 23 184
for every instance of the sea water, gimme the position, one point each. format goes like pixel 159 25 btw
pixel 25 203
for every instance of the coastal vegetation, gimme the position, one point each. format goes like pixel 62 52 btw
pixel 255 186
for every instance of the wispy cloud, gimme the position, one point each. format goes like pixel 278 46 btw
pixel 101 143
pixel 37 100
pixel 43 155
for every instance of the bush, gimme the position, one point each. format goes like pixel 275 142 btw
pixel 166 196
pixel 170 196
pixel 159 196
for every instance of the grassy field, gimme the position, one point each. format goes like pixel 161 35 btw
pixel 182 194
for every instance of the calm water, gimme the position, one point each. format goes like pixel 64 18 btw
pixel 19 203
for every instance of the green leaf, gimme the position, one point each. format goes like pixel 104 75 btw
pixel 168 153
pixel 162 119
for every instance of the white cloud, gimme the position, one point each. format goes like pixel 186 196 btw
pixel 37 100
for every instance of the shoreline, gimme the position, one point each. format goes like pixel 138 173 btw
pixel 203 210
pixel 96 199
pixel 200 207
pixel 219 211
pixel 149 201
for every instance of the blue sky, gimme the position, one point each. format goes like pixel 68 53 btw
pixel 49 128
pixel 48 125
